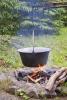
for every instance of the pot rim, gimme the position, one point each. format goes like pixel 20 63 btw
pixel 36 50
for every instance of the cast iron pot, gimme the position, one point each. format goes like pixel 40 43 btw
pixel 33 59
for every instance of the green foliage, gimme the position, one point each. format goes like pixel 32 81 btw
pixel 9 16
pixel 60 17
pixel 22 94
pixel 8 54
pixel 55 0
pixel 25 6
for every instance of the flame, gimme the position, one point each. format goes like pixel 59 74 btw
pixel 36 71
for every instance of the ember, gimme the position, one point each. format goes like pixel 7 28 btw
pixel 35 76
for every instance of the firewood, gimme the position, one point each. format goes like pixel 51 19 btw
pixel 29 77
pixel 62 76
pixel 36 71
pixel 33 80
pixel 61 81
pixel 66 70
pixel 51 81
pixel 37 80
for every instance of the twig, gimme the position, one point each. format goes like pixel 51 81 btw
pixel 33 80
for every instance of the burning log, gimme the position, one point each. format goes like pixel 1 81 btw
pixel 35 75
pixel 33 80
pixel 56 79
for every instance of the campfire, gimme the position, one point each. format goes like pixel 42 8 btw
pixel 35 61
pixel 49 78
pixel 36 76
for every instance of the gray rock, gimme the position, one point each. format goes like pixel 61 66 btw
pixel 6 96
pixel 3 76
pixel 12 90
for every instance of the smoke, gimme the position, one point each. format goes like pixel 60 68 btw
pixel 21 41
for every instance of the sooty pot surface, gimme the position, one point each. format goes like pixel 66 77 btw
pixel 34 58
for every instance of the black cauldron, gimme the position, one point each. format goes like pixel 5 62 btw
pixel 34 58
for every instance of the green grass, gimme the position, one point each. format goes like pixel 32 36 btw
pixel 5 84
pixel 57 43
pixel 8 54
